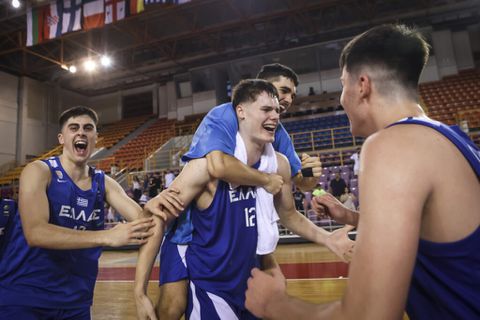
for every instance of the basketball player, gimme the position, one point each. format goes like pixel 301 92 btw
pixel 215 140
pixel 49 263
pixel 224 240
pixel 419 182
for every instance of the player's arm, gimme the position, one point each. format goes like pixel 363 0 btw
pixel 378 279
pixel 303 182
pixel 35 212
pixel 120 201
pixel 337 242
pixel 191 181
pixel 225 167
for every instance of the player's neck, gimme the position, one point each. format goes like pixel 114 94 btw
pixel 254 150
pixel 387 113
pixel 76 171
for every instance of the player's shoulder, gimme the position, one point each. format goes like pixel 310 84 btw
pixel 37 166
pixel 283 164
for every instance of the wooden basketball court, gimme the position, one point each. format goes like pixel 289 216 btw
pixel 313 273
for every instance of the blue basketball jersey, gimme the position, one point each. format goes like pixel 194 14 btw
pixel 224 241
pixel 49 278
pixel 7 211
pixel 218 131
pixel 446 277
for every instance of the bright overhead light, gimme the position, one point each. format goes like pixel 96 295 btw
pixel 16 4
pixel 89 65
pixel 64 67
pixel 72 69
pixel 106 61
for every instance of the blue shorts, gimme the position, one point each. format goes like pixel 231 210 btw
pixel 205 305
pixel 34 313
pixel 173 266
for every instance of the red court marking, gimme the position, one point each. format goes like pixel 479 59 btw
pixel 291 271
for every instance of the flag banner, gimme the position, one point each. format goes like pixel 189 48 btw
pixel 114 10
pixel 72 15
pixel 93 14
pixel 53 20
pixel 35 25
pixel 136 6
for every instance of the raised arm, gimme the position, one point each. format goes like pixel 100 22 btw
pixel 34 213
pixel 296 222
pixel 378 278
pixel 191 181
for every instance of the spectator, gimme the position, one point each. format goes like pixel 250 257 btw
pixel 137 191
pixel 356 162
pixel 169 177
pixel 110 214
pixel 298 196
pixel 348 199
pixel 143 199
pixel 337 186
pixel 151 187
pixel 311 91
pixel 113 169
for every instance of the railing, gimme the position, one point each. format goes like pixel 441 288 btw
pixel 325 139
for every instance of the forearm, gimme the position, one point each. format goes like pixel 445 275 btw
pixel 232 170
pixel 268 262
pixel 305 184
pixel 50 236
pixel 300 225
pixel 146 258
pixel 351 218
pixel 288 307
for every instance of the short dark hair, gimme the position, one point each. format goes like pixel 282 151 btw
pixel 396 47
pixel 249 89
pixel 271 72
pixel 76 112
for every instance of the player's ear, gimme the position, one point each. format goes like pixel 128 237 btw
pixel 60 138
pixel 240 112
pixel 365 85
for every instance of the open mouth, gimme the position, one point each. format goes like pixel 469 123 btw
pixel 80 146
pixel 270 127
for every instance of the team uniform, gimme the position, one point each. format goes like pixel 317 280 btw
pixel 446 277
pixel 217 131
pixel 8 208
pixel 221 254
pixel 37 283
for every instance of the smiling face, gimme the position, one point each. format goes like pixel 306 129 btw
pixel 286 92
pixel 258 120
pixel 78 137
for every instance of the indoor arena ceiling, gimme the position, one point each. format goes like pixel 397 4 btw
pixel 166 40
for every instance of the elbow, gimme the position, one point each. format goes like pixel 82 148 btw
pixel 32 238
pixel 216 166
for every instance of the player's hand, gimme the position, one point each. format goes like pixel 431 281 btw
pixel 275 183
pixel 263 290
pixel 132 233
pixel 312 162
pixel 166 205
pixel 145 309
pixel 328 204
pixel 339 243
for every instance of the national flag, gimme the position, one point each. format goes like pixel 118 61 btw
pixel 114 10
pixel 35 25
pixel 136 6
pixel 72 15
pixel 93 14
pixel 53 20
